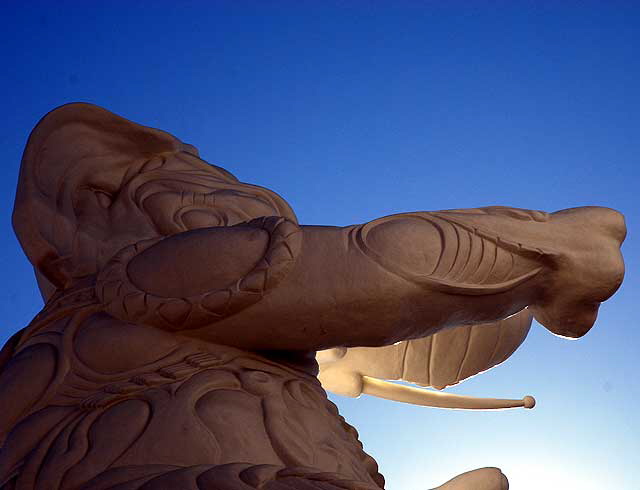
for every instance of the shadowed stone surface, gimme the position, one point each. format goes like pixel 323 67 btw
pixel 184 309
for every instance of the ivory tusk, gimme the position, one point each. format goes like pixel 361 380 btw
pixel 428 398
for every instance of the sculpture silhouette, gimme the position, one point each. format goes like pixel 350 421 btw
pixel 184 309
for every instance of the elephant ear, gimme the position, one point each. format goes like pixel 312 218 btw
pixel 443 359
pixel 73 146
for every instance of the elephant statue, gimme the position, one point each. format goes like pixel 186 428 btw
pixel 188 316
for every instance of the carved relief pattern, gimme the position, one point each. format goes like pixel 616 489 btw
pixel 184 388
pixel 472 261
pixel 126 301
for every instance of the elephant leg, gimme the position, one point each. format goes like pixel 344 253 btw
pixel 481 479
pixel 408 276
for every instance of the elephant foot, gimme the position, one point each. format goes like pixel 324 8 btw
pixel 481 479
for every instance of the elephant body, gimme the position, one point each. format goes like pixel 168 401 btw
pixel 184 308
pixel 131 396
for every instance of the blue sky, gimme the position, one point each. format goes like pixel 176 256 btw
pixel 353 110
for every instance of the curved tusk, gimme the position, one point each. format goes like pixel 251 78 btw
pixel 428 398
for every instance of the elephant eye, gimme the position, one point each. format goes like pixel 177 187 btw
pixel 201 218
pixel 104 198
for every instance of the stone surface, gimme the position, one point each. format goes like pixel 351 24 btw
pixel 184 309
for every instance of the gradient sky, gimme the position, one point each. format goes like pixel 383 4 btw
pixel 353 110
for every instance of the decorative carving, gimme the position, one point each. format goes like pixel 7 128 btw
pixel 184 308
pixel 128 302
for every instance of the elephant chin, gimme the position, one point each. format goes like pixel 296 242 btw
pixel 568 321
